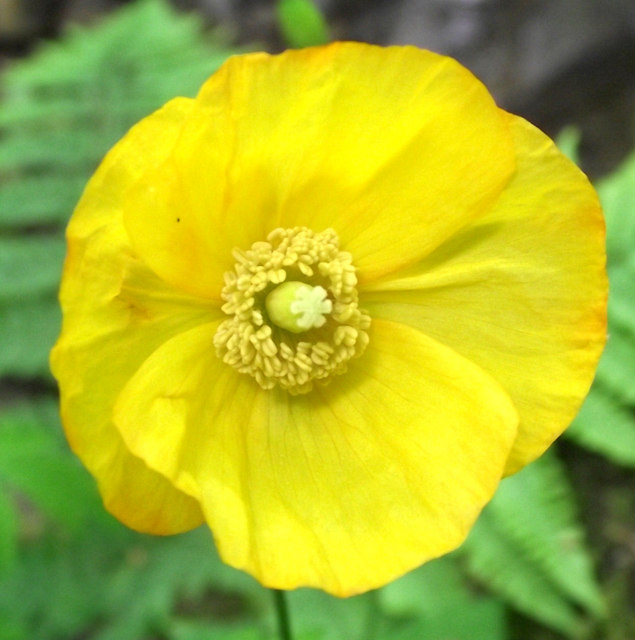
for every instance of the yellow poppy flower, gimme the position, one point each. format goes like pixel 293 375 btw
pixel 324 307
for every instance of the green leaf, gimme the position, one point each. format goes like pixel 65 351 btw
pixel 319 615
pixel 616 370
pixel 617 193
pixel 203 630
pixel 57 588
pixel 44 411
pixel 62 108
pixel 8 532
pixel 605 426
pixel 482 619
pixel 28 329
pixel 115 584
pixel 302 23
pixel 11 629
pixel 29 265
pixel 73 99
pixel 606 422
pixel 34 460
pixel 435 602
pixel 39 200
pixel 568 141
pixel 528 547
pixel 64 149
pixel 169 569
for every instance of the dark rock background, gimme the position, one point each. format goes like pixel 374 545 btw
pixel 557 62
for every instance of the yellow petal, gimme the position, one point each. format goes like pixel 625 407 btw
pixel 344 488
pixel 176 213
pixel 116 312
pixel 521 292
pixel 140 149
pixel 100 348
pixel 394 148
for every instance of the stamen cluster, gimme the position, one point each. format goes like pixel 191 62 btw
pixel 251 343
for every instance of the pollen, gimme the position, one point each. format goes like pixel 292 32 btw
pixel 293 315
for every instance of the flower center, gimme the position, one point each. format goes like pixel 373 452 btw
pixel 292 307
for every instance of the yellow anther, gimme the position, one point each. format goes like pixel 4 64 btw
pixel 267 314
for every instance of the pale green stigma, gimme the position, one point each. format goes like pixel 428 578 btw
pixel 298 307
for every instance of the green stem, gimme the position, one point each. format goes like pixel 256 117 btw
pixel 372 615
pixel 282 613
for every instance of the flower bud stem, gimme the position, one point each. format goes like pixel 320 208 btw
pixel 282 614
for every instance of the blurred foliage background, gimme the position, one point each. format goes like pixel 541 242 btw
pixel 552 557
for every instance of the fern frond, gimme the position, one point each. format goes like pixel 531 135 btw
pixel 616 370
pixel 29 265
pixel 28 331
pixel 606 423
pixel 38 201
pixel 62 109
pixel 528 547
